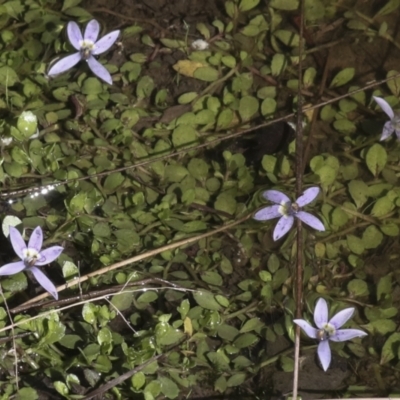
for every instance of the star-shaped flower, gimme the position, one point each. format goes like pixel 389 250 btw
pixel 328 330
pixel 390 126
pixel 88 46
pixel 287 211
pixel 32 256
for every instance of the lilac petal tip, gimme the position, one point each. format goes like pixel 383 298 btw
pixel 385 106
pixel 341 317
pixel 64 64
pixel 282 227
pixel 321 313
pixel 44 282
pixel 307 328
pixel 105 42
pixel 308 196
pixel 12 268
pixel 92 31
pixel 310 220
pixel 49 255
pixel 346 334
pixel 276 196
pixel 74 34
pixel 99 70
pixel 36 239
pixel 267 213
pixel 387 130
pixel 17 242
pixel 324 354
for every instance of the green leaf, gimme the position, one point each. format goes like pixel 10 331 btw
pixel 206 300
pixel 357 287
pixel 198 168
pixel 138 380
pixel 288 38
pixel 359 192
pixel 278 64
pixel 251 325
pixel 355 244
pixel 226 203
pixel 168 387
pixel 268 107
pixel 184 135
pixel 343 77
pixel 122 301
pixel 147 297
pixel 26 394
pixel 70 3
pixel 246 5
pixel 8 76
pixel 207 74
pixel 248 106
pixel 245 340
pixel 212 278
pixel 390 349
pixel 372 237
pixel 309 76
pixel 382 207
pixel 113 181
pixel 376 159
pixel 394 84
pixel 236 380
pixel 286 5
pixel 384 287
pixel 389 8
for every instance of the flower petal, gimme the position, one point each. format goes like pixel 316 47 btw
pixel 310 220
pixel 341 317
pixel 307 328
pixel 36 239
pixel 12 268
pixel 105 42
pixel 17 242
pixel 385 106
pixel 321 313
pixel 74 34
pixel 49 255
pixel 64 64
pixel 324 354
pixel 276 196
pixel 267 213
pixel 283 227
pixel 346 334
pixel 308 196
pixel 387 130
pixel 92 31
pixel 44 281
pixel 99 70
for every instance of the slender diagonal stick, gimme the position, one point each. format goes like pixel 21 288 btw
pixel 299 188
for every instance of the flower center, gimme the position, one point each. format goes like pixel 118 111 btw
pixel 87 46
pixel 31 256
pixel 288 209
pixel 396 122
pixel 325 332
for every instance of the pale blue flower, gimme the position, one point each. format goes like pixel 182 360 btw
pixel 287 211
pixel 32 256
pixel 328 330
pixel 390 126
pixel 88 46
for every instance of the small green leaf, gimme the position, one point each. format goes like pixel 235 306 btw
pixel 343 77
pixel 372 237
pixel 138 380
pixel 184 135
pixel 248 106
pixel 122 301
pixel 236 380
pixel 376 159
pixel 207 74
pixel 390 349
pixel 268 107
pixel 113 181
pixel 278 64
pixel 285 5
pixel 355 244
pixel 246 5
pixel 168 387
pixel 358 287
pixel 394 84
pixel 251 325
pixel 359 192
pixel 206 300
